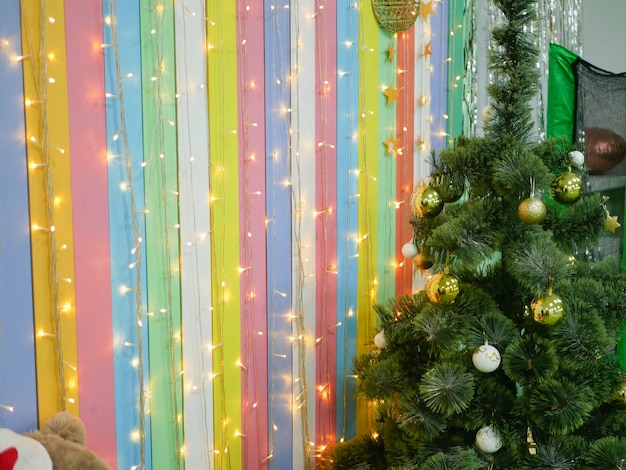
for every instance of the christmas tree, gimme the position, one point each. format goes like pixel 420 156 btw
pixel 507 358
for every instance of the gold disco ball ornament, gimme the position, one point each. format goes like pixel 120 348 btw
pixel 567 188
pixel 395 15
pixel 426 201
pixel 548 310
pixel 442 288
pixel 531 210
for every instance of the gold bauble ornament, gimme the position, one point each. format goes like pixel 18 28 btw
pixel 426 201
pixel 531 210
pixel 567 188
pixel 442 288
pixel 548 310
pixel 451 188
pixel 423 260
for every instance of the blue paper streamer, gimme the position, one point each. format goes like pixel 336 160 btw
pixel 347 212
pixel 18 388
pixel 124 136
pixel 279 259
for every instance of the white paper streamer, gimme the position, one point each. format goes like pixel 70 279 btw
pixel 195 227
pixel 303 102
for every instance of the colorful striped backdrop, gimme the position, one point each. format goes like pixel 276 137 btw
pixel 200 202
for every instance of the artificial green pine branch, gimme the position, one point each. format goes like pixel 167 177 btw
pixel 515 73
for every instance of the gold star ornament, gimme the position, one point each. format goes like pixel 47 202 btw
pixel 426 9
pixel 611 224
pixel 392 144
pixel 427 50
pixel 392 94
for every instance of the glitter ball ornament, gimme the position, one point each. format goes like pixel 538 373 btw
pixel 548 310
pixel 531 210
pixel 395 15
pixel 488 440
pixel 567 188
pixel 380 341
pixel 442 288
pixel 426 201
pixel 486 358
pixel 409 250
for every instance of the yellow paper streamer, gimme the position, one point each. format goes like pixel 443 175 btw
pixel 47 130
pixel 368 202
pixel 224 186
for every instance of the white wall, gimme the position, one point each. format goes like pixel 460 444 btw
pixel 604 34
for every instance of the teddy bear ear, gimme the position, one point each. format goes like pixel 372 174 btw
pixel 66 426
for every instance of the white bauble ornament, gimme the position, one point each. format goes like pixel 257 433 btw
pixel 486 358
pixel 577 157
pixel 380 341
pixel 488 440
pixel 409 250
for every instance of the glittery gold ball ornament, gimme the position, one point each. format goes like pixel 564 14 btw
pixel 548 310
pixel 395 15
pixel 531 210
pixel 426 201
pixel 567 188
pixel 442 288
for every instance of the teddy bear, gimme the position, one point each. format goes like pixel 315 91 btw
pixel 59 445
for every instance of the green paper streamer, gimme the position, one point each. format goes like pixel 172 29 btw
pixel 561 93
pixel 162 237
pixel 386 173
pixel 460 36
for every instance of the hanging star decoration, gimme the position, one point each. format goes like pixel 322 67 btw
pixel 422 100
pixel 391 93
pixel 611 224
pixel 391 144
pixel 427 50
pixel 390 52
pixel 426 9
